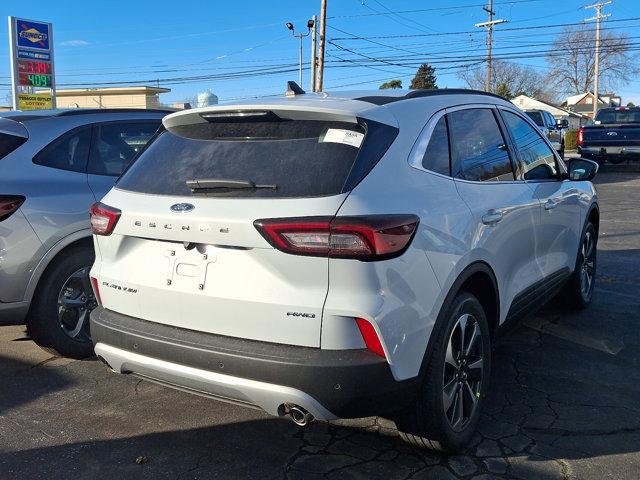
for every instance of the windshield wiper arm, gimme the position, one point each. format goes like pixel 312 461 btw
pixel 226 184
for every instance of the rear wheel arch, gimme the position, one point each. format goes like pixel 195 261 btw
pixel 78 240
pixel 479 280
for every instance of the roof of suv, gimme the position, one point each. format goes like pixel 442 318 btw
pixel 351 103
pixel 26 115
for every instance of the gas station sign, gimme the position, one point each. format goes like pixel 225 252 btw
pixel 32 66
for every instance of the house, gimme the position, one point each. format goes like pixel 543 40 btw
pixel 583 102
pixel 576 120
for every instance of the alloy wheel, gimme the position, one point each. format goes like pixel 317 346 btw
pixel 463 372
pixel 75 302
pixel 587 269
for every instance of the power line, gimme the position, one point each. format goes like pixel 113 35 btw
pixel 532 27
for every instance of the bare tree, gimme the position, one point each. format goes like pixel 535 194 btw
pixel 509 80
pixel 572 60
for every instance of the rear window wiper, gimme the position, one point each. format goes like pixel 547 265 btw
pixel 213 184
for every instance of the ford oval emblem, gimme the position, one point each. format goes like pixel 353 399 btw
pixel 182 207
pixel 612 134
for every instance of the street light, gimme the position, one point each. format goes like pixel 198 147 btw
pixel 300 36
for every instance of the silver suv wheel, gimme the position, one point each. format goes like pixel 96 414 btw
pixel 75 302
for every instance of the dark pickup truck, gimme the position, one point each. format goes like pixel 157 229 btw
pixel 614 136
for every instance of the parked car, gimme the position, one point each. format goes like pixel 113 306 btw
pixel 554 130
pixel 339 255
pixel 613 136
pixel 53 166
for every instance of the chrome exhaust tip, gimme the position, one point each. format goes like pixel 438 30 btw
pixel 298 415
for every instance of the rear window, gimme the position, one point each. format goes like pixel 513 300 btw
pixel 8 143
pixel 295 158
pixel 604 117
pixel 536 117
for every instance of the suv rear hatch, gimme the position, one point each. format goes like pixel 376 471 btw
pixel 185 251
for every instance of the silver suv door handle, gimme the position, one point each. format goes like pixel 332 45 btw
pixel 550 204
pixel 492 217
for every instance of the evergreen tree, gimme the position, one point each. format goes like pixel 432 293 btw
pixel 425 78
pixel 503 90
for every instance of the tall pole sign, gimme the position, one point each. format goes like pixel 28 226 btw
pixel 32 70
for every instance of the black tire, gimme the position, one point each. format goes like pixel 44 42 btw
pixel 574 292
pixel 44 324
pixel 426 424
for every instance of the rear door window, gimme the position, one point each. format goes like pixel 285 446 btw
pixel 536 117
pixel 67 152
pixel 8 143
pixel 114 145
pixel 297 158
pixel 436 157
pixel 479 151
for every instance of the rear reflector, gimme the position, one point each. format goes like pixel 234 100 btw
pixel 374 237
pixel 370 337
pixel 103 218
pixel 96 290
pixel 9 204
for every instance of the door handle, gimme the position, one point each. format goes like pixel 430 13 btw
pixel 492 217
pixel 551 204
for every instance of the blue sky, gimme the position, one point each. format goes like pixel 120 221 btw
pixel 116 41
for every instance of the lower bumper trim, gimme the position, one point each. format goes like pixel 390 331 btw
pixel 247 392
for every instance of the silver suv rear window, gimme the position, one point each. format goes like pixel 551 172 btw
pixel 302 158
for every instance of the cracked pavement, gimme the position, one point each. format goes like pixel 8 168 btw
pixel 564 403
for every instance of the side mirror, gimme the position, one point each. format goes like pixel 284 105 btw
pixel 562 124
pixel 581 169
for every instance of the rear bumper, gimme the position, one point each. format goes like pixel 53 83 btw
pixel 13 313
pixel 604 151
pixel 328 383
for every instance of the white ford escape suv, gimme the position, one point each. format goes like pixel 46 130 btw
pixel 325 256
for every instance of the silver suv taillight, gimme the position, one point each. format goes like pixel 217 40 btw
pixel 9 204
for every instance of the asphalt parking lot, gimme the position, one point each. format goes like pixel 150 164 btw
pixel 565 403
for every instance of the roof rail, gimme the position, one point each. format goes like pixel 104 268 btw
pixel 383 100
pixel 88 111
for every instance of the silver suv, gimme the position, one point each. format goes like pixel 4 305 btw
pixel 53 166
pixel 324 256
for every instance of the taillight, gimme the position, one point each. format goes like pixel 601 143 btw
pixel 96 290
pixel 374 237
pixel 9 204
pixel 580 135
pixel 103 218
pixel 370 337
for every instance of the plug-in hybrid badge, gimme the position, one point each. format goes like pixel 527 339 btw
pixel 182 207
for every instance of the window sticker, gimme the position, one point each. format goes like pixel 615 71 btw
pixel 346 137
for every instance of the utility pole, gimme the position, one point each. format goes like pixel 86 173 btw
pixel 596 69
pixel 314 53
pixel 323 25
pixel 489 26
